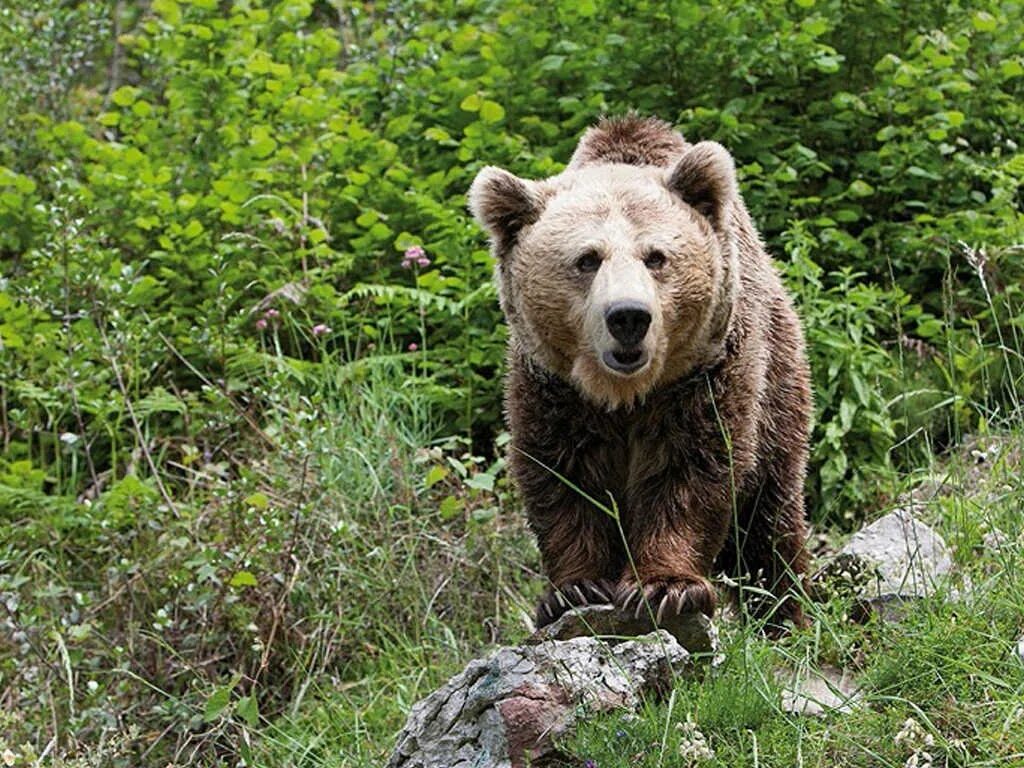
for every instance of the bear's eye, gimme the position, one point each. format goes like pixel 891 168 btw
pixel 588 262
pixel 654 260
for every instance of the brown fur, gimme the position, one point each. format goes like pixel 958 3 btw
pixel 704 449
pixel 629 140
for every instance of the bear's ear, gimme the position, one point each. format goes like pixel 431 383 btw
pixel 503 204
pixel 705 179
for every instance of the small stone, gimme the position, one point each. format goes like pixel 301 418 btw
pixel 994 540
pixel 1020 649
pixel 904 559
pixel 817 692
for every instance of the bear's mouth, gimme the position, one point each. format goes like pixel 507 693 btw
pixel 625 361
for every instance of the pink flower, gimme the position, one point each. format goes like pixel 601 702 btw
pixel 413 346
pixel 320 329
pixel 261 324
pixel 271 313
pixel 415 254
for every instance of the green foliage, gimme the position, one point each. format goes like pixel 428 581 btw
pixel 261 159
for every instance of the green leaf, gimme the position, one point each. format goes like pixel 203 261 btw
pixel 257 500
pixel 481 482
pixel 491 111
pixel 552 63
pixel 125 95
pixel 450 507
pixel 954 117
pixel 983 21
pixel 472 103
pixel 438 134
pixel 169 10
pixel 1011 68
pixel 261 142
pixel 144 291
pixel 243 579
pixel 193 230
pixel 217 703
pixel 484 515
pixel 860 188
pixel 367 218
pixel 159 400
pixel 248 710
pixel 436 474
pixel 847 409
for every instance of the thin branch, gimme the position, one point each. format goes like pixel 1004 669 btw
pixel 135 423
pixel 114 72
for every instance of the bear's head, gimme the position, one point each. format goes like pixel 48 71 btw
pixel 616 277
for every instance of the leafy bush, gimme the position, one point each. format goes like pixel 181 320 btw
pixel 264 158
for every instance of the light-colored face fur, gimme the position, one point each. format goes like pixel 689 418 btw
pixel 612 276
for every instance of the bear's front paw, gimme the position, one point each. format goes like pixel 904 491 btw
pixel 684 595
pixel 558 600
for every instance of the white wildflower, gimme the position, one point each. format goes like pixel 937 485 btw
pixel 693 746
pixel 911 734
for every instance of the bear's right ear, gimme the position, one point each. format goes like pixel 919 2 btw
pixel 503 204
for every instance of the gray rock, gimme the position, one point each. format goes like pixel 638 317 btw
pixel 817 692
pixel 905 558
pixel 505 711
pixel 694 631
pixel 1020 649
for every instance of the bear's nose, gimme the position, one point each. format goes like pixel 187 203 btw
pixel 628 322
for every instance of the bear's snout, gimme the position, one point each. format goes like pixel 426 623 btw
pixel 627 322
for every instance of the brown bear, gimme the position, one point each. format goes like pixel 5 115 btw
pixel 657 368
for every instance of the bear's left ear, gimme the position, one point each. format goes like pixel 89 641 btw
pixel 503 204
pixel 705 179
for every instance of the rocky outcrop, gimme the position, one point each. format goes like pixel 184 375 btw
pixel 508 710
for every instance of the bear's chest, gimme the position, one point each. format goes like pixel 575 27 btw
pixel 626 452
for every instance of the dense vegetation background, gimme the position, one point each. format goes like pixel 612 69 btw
pixel 252 498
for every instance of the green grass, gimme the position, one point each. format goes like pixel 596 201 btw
pixel 333 581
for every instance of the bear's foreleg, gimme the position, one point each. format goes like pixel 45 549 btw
pixel 578 543
pixel 578 557
pixel 673 538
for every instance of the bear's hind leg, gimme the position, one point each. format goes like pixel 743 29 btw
pixel 770 541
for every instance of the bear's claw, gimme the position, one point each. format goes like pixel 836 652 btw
pixel 558 600
pixel 659 597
